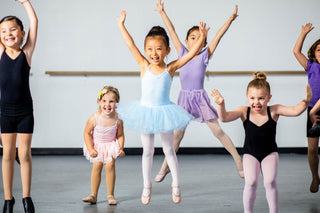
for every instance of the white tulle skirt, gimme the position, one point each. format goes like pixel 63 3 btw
pixel 106 152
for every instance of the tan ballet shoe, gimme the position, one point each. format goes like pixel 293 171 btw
pixel 314 187
pixel 90 199
pixel 145 198
pixel 161 175
pixel 112 200
pixel 176 197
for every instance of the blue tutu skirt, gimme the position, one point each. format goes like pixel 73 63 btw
pixel 153 119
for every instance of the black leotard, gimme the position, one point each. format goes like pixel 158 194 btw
pixel 14 83
pixel 260 141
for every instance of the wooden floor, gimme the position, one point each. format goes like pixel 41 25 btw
pixel 209 183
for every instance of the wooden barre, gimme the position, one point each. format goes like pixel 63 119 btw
pixel 121 73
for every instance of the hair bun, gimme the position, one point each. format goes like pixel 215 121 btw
pixel 259 76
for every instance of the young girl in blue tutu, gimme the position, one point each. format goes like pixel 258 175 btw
pixel 155 113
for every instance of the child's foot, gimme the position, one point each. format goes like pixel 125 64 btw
pixel 112 200
pixel 314 187
pixel 161 175
pixel 146 195
pixel 90 199
pixel 239 168
pixel 176 194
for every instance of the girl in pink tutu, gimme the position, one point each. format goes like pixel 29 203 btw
pixel 104 140
pixel 192 97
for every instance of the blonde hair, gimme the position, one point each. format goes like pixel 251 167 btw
pixel 259 81
pixel 108 89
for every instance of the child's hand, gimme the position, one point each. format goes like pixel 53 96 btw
pixel 216 96
pixel 160 7
pixel 203 30
pixel 308 94
pixel 21 1
pixel 121 153
pixel 306 28
pixel 235 13
pixel 122 18
pixel 93 153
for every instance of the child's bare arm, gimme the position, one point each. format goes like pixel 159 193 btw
pixel 120 137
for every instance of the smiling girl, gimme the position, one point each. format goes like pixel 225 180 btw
pixel 260 148
pixel 104 141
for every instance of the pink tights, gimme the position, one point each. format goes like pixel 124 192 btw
pixel 269 169
pixel 147 157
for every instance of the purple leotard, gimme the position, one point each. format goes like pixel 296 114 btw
pixel 192 97
pixel 313 71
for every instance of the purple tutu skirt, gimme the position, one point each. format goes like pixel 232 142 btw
pixel 197 103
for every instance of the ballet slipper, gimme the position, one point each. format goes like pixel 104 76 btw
pixel 112 200
pixel 161 175
pixel 314 187
pixel 90 199
pixel 240 168
pixel 146 197
pixel 176 197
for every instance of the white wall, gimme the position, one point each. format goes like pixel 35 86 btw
pixel 81 35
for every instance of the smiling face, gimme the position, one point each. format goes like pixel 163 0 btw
pixel 258 99
pixel 11 34
pixel 107 104
pixel 156 50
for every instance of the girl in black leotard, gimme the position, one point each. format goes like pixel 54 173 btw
pixel 260 149
pixel 16 103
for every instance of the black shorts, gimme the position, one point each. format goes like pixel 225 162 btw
pixel 309 123
pixel 17 124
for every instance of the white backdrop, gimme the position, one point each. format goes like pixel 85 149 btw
pixel 81 35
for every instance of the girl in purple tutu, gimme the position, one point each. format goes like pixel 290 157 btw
pixel 312 66
pixel 104 140
pixel 193 98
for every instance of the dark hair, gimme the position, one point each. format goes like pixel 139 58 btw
pixel 259 81
pixel 13 18
pixel 192 29
pixel 158 31
pixel 312 50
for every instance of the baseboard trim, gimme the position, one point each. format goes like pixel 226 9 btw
pixel 158 151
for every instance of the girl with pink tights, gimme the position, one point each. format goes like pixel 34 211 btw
pixel 260 148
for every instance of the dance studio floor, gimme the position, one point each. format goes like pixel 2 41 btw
pixel 209 183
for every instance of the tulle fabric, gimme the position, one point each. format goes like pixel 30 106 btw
pixel 106 151
pixel 197 103
pixel 153 119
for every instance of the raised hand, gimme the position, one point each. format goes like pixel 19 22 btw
pixel 160 7
pixel 216 96
pixel 21 1
pixel 203 30
pixel 122 18
pixel 306 28
pixel 235 13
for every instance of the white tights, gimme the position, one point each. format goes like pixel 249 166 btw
pixel 147 157
pixel 269 168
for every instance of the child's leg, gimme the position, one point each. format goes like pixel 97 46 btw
pixel 96 178
pixel 24 151
pixel 110 177
pixel 269 167
pixel 251 167
pixel 227 143
pixel 313 158
pixel 178 135
pixel 8 157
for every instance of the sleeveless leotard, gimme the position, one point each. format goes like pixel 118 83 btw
pixel 105 143
pixel 192 96
pixel 154 112
pixel 14 83
pixel 260 141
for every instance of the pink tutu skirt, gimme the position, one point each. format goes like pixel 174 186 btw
pixel 197 103
pixel 106 152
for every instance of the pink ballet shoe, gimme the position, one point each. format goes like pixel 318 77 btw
pixel 314 187
pixel 176 197
pixel 90 199
pixel 145 198
pixel 112 200
pixel 161 175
